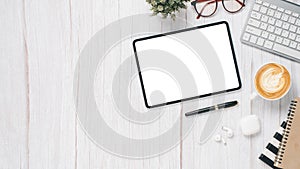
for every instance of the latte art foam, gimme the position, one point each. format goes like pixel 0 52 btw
pixel 272 81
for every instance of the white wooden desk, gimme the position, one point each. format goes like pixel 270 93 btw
pixel 39 47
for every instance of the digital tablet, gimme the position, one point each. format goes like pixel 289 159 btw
pixel 186 64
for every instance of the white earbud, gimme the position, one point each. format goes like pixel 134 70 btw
pixel 219 138
pixel 228 131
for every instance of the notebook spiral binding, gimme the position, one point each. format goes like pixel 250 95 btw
pixel 282 145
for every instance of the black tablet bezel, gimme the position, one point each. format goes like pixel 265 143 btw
pixel 195 97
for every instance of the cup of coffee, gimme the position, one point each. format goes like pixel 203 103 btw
pixel 272 81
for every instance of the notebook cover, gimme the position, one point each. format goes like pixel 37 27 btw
pixel 288 156
pixel 272 148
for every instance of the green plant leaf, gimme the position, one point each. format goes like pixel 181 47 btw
pixel 167 7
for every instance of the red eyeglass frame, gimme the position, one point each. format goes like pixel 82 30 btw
pixel 214 1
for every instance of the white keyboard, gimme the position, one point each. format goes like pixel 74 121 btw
pixel 274 26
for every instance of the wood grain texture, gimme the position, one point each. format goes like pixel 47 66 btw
pixel 39 47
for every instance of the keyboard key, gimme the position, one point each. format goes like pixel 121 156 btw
pixel 295 14
pixel 253 30
pixel 273 6
pixel 298 22
pixel 263 26
pixel 285 25
pixel 280 9
pixel 278 31
pixel 271 21
pixel 293 44
pixel 271 28
pixel 260 41
pixel 292 20
pixel 246 36
pixel 253 39
pixel 279 39
pixel 286 50
pixel 263 10
pixel 268 44
pixel 278 23
pixel 253 22
pixel 298 38
pixel 298 31
pixel 285 17
pixel 258 1
pixel 298 47
pixel 256 7
pixel 264 18
pixel 265 34
pixel 255 15
pixel 272 37
pixel 286 42
pixel 285 33
pixel 277 15
pixel 271 12
pixel 293 28
pixel 288 12
pixel 292 36
pixel 266 4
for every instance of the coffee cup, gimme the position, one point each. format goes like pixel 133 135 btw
pixel 272 81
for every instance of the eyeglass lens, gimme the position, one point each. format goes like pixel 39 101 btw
pixel 208 7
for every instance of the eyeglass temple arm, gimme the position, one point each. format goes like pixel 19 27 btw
pixel 241 3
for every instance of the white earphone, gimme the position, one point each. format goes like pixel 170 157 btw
pixel 229 131
pixel 229 134
pixel 219 138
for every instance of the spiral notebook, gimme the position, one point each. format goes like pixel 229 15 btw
pixel 289 148
pixel 270 152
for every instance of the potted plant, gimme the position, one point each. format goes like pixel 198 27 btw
pixel 167 7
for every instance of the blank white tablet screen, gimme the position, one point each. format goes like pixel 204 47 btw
pixel 186 64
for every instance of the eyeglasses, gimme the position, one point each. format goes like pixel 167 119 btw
pixel 206 8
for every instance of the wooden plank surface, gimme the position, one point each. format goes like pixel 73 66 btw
pixel 39 48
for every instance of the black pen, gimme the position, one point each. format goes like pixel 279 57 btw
pixel 212 108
